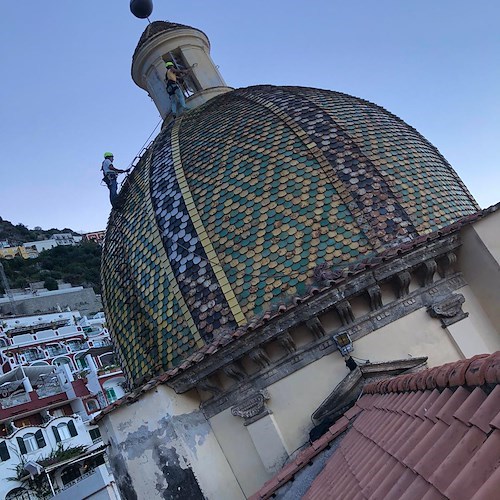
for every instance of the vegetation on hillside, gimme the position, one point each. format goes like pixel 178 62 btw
pixel 18 234
pixel 79 265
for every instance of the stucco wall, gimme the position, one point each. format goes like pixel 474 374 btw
pixel 163 447
pixel 479 260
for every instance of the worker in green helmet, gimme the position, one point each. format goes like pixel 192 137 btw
pixel 174 90
pixel 110 174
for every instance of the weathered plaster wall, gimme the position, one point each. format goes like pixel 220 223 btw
pixel 240 451
pixel 479 321
pixel 296 397
pixel 163 447
pixel 479 260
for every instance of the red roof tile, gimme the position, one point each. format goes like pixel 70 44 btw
pixel 439 440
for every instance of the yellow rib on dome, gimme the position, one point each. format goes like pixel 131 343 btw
pixel 200 229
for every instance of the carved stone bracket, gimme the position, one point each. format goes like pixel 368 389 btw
pixel 286 342
pixel 252 408
pixel 345 312
pixel 260 358
pixel 234 372
pixel 375 295
pixel 402 281
pixel 314 324
pixel 206 386
pixel 447 264
pixel 448 310
pixel 427 271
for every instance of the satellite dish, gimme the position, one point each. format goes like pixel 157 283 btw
pixel 141 8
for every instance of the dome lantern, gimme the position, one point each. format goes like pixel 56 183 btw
pixel 186 47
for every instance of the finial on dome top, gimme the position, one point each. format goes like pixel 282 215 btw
pixel 141 8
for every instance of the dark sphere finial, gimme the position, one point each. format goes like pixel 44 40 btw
pixel 141 8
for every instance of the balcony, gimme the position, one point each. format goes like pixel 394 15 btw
pixel 56 351
pixel 15 400
pixel 92 483
pixel 78 346
pixel 33 355
pixel 102 343
pixel 49 389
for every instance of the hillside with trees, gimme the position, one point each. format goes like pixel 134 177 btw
pixel 79 265
pixel 18 234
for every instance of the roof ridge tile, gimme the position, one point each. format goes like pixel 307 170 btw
pixel 475 371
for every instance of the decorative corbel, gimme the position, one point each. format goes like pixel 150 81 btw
pixel 427 271
pixel 447 264
pixel 448 310
pixel 252 408
pixel 234 372
pixel 260 358
pixel 344 310
pixel 375 296
pixel 402 281
pixel 286 342
pixel 206 386
pixel 314 324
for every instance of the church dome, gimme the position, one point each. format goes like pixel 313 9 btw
pixel 234 205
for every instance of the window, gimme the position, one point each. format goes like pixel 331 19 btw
pixel 92 405
pixel 31 442
pixel 56 350
pixel 111 395
pixel 4 452
pixel 95 434
pixel 64 430
pixel 81 363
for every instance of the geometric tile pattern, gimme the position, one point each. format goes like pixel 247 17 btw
pixel 151 323
pixel 194 274
pixel 263 184
pixel 417 173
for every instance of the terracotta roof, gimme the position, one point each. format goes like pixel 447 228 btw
pixel 345 273
pixel 432 434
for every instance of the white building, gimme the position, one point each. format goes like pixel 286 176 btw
pixel 58 373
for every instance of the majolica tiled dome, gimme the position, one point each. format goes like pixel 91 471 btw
pixel 233 207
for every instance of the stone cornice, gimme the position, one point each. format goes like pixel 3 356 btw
pixel 394 271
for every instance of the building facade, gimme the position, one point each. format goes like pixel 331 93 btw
pixel 58 372
pixel 268 243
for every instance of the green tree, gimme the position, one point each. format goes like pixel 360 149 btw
pixel 51 284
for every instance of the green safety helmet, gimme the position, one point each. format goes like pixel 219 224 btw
pixel 108 155
pixel 169 64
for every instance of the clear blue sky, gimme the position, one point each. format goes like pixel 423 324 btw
pixel 66 94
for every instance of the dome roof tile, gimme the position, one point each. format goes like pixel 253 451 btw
pixel 234 206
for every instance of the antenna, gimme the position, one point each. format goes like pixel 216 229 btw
pixel 8 291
